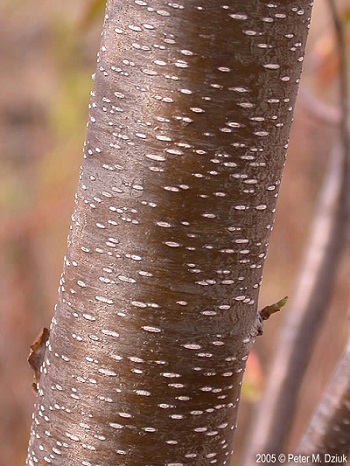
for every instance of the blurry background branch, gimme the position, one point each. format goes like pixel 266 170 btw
pixel 303 319
pixel 329 430
pixel 325 113
pixel 344 103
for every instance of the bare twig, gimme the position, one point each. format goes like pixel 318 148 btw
pixel 313 292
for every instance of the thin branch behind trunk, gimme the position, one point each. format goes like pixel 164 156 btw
pixel 329 430
pixel 303 318
pixel 314 289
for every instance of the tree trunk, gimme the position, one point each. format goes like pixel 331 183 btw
pixel 187 135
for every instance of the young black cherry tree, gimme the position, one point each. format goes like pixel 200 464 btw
pixel 157 310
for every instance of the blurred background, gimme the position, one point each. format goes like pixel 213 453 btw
pixel 48 51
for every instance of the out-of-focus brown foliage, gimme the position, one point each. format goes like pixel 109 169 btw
pixel 48 53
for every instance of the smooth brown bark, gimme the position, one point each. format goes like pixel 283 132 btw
pixel 188 130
